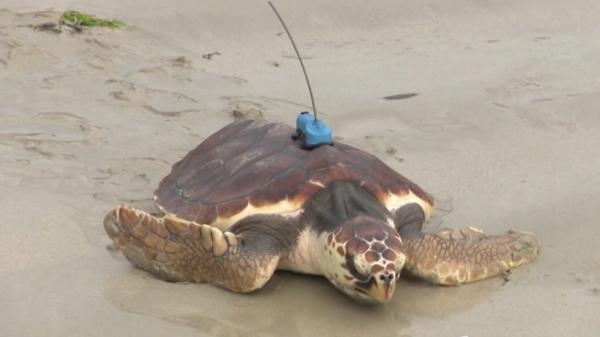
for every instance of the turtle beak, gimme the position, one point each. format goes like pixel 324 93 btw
pixel 383 288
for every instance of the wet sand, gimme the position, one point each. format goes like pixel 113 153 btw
pixel 505 130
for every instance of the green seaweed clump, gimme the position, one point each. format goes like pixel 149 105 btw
pixel 86 20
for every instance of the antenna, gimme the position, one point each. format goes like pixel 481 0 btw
pixel 299 58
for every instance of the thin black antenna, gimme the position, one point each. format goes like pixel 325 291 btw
pixel 299 58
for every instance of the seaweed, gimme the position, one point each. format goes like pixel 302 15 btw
pixel 78 19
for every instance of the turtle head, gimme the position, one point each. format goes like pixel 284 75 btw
pixel 365 259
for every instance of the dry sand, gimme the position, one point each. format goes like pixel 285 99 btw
pixel 505 130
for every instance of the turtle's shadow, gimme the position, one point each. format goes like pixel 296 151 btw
pixel 290 305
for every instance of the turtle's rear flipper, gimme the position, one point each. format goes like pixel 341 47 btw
pixel 179 250
pixel 452 257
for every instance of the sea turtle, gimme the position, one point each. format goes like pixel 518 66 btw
pixel 249 200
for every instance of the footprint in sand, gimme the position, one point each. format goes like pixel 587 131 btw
pixel 382 147
pixel 157 101
pixel 172 71
pixel 14 29
pixel 128 180
pixel 246 109
pixel 16 57
pixel 527 98
pixel 50 134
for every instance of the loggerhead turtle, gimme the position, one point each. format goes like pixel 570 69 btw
pixel 248 200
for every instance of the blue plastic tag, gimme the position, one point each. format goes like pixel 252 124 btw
pixel 312 132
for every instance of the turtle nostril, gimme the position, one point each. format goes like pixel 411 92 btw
pixel 387 277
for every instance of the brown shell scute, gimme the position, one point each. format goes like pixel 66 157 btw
pixel 257 163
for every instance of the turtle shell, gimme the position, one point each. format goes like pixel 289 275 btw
pixel 255 167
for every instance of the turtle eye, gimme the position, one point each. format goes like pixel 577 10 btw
pixel 354 271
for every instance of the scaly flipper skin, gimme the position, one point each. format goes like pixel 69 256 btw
pixel 179 250
pixel 452 257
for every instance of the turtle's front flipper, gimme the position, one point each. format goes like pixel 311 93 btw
pixel 467 255
pixel 179 250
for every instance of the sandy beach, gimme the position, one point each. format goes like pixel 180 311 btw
pixel 504 131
